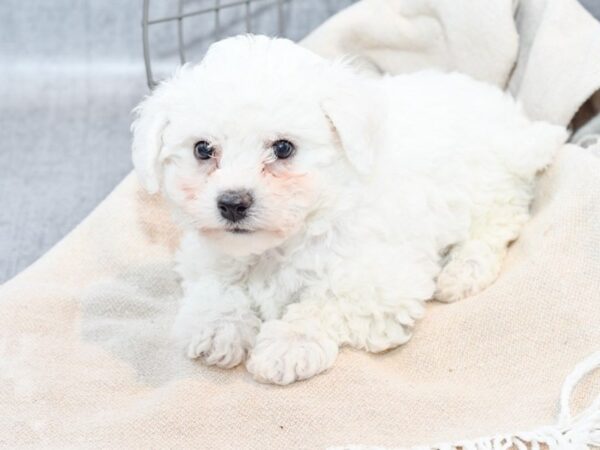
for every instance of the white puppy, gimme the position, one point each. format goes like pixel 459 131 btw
pixel 322 208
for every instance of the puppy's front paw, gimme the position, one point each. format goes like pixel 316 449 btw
pixel 221 342
pixel 285 353
pixel 469 271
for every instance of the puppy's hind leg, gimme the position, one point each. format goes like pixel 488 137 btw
pixel 501 209
pixel 474 264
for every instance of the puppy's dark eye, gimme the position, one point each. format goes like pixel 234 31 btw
pixel 203 150
pixel 283 149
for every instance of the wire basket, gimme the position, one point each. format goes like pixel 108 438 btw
pixel 190 26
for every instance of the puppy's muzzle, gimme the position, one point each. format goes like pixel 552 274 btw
pixel 234 205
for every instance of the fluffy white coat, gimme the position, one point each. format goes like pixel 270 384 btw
pixel 400 190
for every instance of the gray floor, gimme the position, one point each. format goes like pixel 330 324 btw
pixel 70 73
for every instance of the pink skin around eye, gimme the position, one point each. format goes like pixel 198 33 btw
pixel 189 190
pixel 280 169
pixel 190 186
pixel 289 188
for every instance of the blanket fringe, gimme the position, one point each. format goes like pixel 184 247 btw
pixel 572 432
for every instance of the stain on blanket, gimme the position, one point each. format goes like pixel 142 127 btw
pixel 131 316
pixel 154 218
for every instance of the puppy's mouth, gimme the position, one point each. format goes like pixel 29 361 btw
pixel 238 230
pixel 228 230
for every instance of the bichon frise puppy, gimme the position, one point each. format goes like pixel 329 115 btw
pixel 322 208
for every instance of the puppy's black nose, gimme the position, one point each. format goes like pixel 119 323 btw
pixel 234 205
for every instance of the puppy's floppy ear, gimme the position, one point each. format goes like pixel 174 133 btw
pixel 356 111
pixel 147 128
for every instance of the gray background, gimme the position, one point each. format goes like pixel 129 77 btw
pixel 70 73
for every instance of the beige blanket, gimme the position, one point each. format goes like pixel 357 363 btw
pixel 85 355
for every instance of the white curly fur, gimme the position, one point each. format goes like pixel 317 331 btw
pixel 400 189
